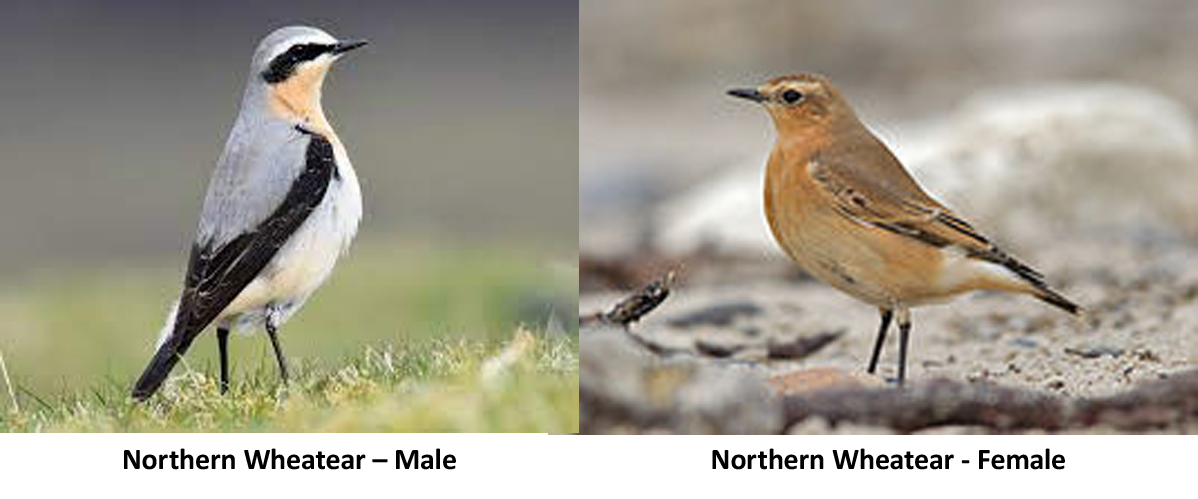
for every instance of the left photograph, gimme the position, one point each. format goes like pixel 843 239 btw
pixel 264 218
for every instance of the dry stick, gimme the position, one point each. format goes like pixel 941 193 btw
pixel 632 309
pixel 637 305
pixel 8 382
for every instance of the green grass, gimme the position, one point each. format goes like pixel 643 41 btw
pixel 433 386
pixel 399 340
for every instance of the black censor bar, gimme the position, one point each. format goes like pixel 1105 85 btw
pixel 306 458
pixel 888 458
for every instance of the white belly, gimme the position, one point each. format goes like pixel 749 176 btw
pixel 305 261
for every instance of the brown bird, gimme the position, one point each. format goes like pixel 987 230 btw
pixel 847 212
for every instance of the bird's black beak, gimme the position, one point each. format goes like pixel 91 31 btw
pixel 346 46
pixel 747 93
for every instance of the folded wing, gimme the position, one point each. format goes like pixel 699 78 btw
pixel 891 200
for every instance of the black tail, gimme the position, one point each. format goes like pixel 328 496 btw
pixel 1036 279
pixel 161 365
pixel 1055 299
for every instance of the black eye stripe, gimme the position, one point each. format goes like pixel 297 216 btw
pixel 283 65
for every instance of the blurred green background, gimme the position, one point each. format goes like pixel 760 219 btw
pixel 459 117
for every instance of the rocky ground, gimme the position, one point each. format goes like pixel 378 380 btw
pixel 777 336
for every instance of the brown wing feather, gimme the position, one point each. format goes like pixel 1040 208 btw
pixel 888 198
pixel 865 199
pixel 918 217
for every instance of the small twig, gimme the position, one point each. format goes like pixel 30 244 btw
pixel 12 395
pixel 636 305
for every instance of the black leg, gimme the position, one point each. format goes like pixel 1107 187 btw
pixel 873 359
pixel 904 332
pixel 222 340
pixel 272 331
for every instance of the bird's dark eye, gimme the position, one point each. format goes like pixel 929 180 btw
pixel 791 96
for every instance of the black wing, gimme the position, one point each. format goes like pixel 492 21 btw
pixel 217 274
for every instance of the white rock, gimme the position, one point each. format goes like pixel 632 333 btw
pixel 1037 161
pixel 724 214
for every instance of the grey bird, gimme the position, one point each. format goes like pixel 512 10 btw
pixel 282 207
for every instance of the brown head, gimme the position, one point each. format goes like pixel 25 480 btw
pixel 800 103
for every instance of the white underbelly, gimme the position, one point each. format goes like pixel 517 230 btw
pixel 306 260
pixel 296 271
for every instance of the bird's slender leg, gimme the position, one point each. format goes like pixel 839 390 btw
pixel 272 330
pixel 904 324
pixel 873 359
pixel 222 341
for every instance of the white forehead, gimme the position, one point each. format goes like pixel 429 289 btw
pixel 804 86
pixel 284 38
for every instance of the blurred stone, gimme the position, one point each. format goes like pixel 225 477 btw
pixel 801 347
pixel 722 314
pixel 1095 351
pixel 623 388
pixel 1029 162
pixel 821 378
pixel 1024 164
pixel 820 426
pixel 717 350
pixel 724 215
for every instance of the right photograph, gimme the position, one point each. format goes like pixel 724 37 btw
pixel 806 217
